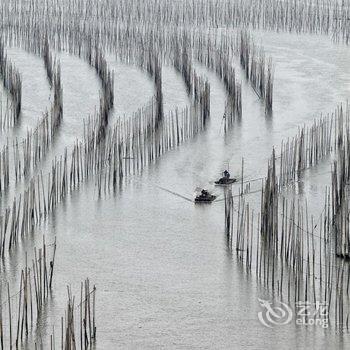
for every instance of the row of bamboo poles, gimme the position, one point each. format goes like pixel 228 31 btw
pixel 218 56
pixel 181 48
pixel 20 312
pixel 258 69
pixel 339 188
pixel 49 61
pixel 86 331
pixel 149 60
pixel 308 16
pixel 26 154
pixel 94 56
pixel 310 146
pixel 12 83
pixel 7 113
pixel 30 151
pixel 78 326
pixel 19 317
pixel 4 168
pixel 294 254
pixel 198 88
pixel 290 252
pixel 165 44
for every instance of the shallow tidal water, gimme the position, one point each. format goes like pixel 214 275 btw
pixel 165 277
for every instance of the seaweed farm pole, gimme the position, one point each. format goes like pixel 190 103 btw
pixel 269 87
pixel 229 215
pixel 1 323
pixel 10 315
pixel 242 173
pixel 87 323
pixel 257 70
pixel 52 264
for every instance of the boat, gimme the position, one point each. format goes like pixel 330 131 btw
pixel 204 197
pixel 225 181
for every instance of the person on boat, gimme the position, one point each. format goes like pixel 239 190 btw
pixel 205 193
pixel 226 174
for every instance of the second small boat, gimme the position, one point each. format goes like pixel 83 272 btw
pixel 226 179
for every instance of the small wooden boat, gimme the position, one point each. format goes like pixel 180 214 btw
pixel 204 197
pixel 225 181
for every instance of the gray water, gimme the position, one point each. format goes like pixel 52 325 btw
pixel 164 275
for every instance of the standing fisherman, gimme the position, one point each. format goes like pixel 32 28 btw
pixel 226 174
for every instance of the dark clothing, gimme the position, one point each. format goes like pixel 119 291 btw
pixel 226 174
